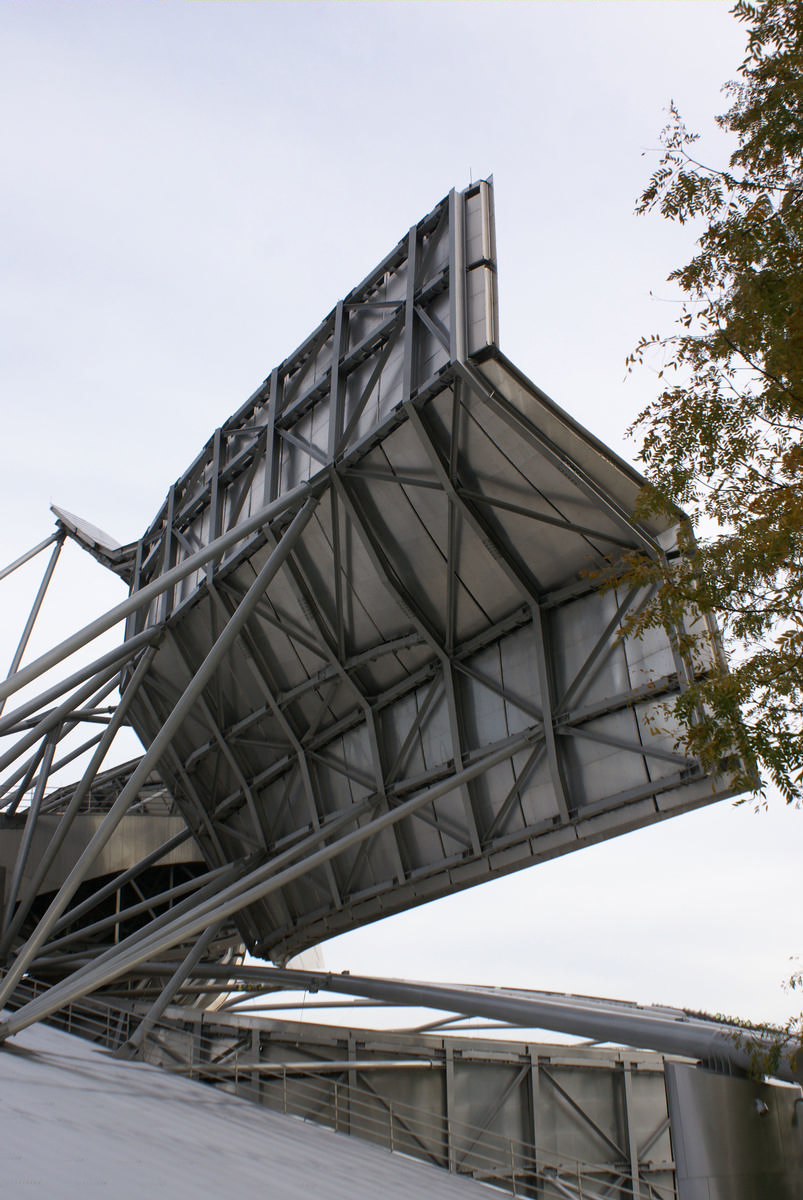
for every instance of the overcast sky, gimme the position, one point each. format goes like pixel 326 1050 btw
pixel 187 189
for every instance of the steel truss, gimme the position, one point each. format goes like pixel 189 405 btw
pixel 373 650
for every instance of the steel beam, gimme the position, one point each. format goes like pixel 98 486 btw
pixel 157 1009
pixel 157 748
pixel 120 880
pixel 35 609
pixel 26 840
pixel 667 1030
pixel 76 800
pixel 139 599
pixel 29 554
pixel 115 657
pixel 231 901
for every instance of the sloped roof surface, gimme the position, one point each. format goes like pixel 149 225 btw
pixel 77 1122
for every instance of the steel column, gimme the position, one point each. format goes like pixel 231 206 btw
pixel 193 957
pixel 34 613
pixel 157 748
pixel 30 826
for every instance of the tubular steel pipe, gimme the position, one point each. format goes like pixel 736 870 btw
pixel 604 1021
pixel 29 554
pixel 123 878
pixel 209 885
pixel 159 745
pixel 52 805
pixel 270 878
pixel 134 910
pixel 113 658
pixel 23 776
pixel 34 613
pixel 193 957
pixel 76 800
pixel 191 905
pixel 65 730
pixel 77 715
pixel 58 716
pixel 30 825
pixel 230 902
pixel 151 590
pixel 668 1031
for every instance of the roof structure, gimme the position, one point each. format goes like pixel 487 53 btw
pixel 375 651
pixel 374 648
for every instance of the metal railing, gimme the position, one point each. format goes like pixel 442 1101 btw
pixel 323 1092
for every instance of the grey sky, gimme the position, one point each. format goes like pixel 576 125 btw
pixel 189 188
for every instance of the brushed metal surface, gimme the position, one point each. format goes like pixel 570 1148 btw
pixel 734 1139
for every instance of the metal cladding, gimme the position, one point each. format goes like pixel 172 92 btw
pixel 429 655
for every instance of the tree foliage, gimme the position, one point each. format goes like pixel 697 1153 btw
pixel 724 439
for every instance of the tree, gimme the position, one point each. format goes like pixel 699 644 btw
pixel 724 439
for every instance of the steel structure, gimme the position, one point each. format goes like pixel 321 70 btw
pixel 373 648
pixel 538 1120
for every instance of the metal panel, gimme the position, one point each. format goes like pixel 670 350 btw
pixel 734 1139
pixel 154 1134
pixel 135 837
pixel 389 340
pixel 439 615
